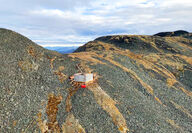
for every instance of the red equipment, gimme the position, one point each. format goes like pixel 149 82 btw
pixel 83 86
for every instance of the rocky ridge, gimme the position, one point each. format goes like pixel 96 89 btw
pixel 144 85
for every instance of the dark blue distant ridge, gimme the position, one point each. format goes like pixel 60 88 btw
pixel 63 49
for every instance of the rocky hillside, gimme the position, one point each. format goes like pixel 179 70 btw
pixel 144 85
pixel 175 33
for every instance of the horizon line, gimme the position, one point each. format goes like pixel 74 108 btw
pixel 61 45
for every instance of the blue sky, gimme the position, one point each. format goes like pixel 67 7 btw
pixel 55 22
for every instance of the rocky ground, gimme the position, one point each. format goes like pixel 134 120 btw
pixel 144 85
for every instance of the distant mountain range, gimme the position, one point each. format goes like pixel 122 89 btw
pixel 143 84
pixel 63 49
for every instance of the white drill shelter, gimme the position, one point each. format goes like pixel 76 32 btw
pixel 83 77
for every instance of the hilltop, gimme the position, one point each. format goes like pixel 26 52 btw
pixel 144 85
pixel 175 33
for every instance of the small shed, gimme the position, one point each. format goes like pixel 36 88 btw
pixel 83 77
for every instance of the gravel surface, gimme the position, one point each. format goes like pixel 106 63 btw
pixel 149 85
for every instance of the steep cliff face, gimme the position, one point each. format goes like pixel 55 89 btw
pixel 144 85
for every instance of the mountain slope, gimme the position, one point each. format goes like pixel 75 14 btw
pixel 28 75
pixel 144 85
pixel 171 34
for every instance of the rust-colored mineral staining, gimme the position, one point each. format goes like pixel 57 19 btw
pixel 137 57
pixel 51 125
pixel 51 110
pixel 189 93
pixel 25 65
pixel 51 61
pixel 61 68
pixel 31 51
pixel 171 82
pixel 60 74
pixel 42 124
pixel 179 40
pixel 86 56
pixel 188 59
pixel 134 75
pixel 85 67
pixel 28 66
pixel 150 63
pixel 160 69
pixel 174 125
pixel 72 125
pixel 14 123
pixel 68 105
pixel 108 104
pixel 155 62
pixel 182 109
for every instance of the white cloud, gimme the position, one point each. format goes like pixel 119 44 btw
pixel 47 12
pixel 83 20
pixel 172 3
